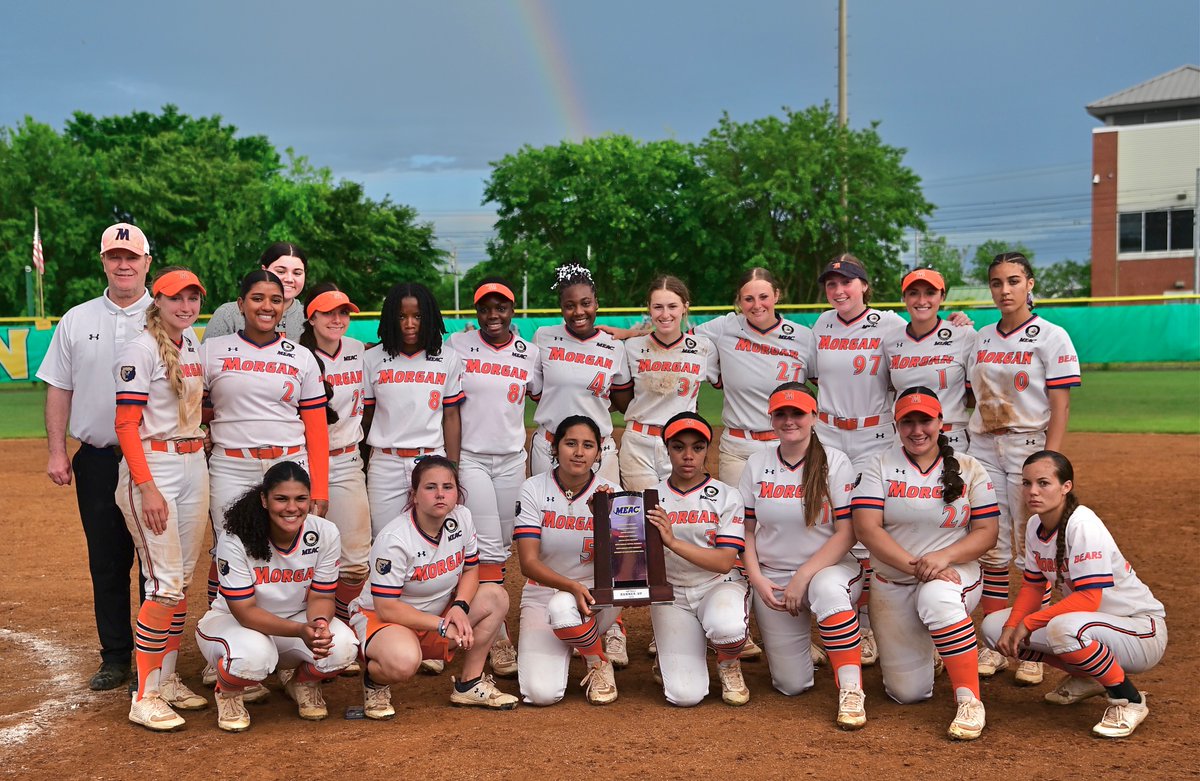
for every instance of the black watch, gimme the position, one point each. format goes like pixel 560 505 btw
pixel 460 603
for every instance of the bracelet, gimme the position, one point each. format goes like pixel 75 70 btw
pixel 322 618
pixel 461 604
pixel 442 627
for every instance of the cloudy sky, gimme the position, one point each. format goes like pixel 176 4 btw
pixel 415 99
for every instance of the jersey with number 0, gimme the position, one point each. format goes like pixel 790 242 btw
pixel 1013 373
pixel 419 570
pixel 495 381
pixel 852 373
pixel 577 376
pixel 1092 560
pixel 408 393
pixel 710 515
pixel 256 392
pixel 754 363
pixel 344 372
pixel 667 377
pixel 142 380
pixel 562 526
pixel 773 492
pixel 280 586
pixel 938 361
pixel 914 513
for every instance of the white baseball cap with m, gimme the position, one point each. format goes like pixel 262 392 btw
pixel 124 236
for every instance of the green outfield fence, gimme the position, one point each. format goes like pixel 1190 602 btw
pixel 1137 332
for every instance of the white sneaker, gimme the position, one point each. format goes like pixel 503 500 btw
pixel 733 687
pixel 255 693
pixel 653 649
pixel 601 683
pixel 306 694
pixel 432 666
pixel 232 715
pixel 1071 690
pixel 615 647
pixel 655 672
pixel 1122 717
pixel 1029 673
pixel 870 651
pixel 178 695
pixel 991 662
pixel 819 657
pixel 153 713
pixel 751 650
pixel 377 702
pixel 483 694
pixel 503 657
pixel 970 720
pixel 209 676
pixel 852 711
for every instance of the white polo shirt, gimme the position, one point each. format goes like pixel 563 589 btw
pixel 81 358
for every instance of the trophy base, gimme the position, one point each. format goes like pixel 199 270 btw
pixel 633 596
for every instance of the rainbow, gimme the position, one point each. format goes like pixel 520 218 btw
pixel 542 31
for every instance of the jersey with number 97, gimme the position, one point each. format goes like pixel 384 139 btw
pixel 561 524
pixel 851 371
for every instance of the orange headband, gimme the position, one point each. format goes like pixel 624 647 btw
pixel 329 301
pixel 494 287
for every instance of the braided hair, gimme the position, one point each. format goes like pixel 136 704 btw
pixel 308 338
pixel 1020 260
pixel 570 274
pixel 952 481
pixel 816 469
pixel 433 327
pixel 167 350
pixel 247 518
pixel 1064 472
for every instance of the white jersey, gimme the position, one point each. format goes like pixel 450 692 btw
pixel 142 380
pixel 496 381
pixel 279 586
pixel 419 570
pixel 914 513
pixel 577 376
pixel 710 515
pixel 853 375
pixel 80 359
pixel 754 363
pixel 1012 375
pixel 344 372
pixel 938 361
pixel 563 526
pixel 257 392
pixel 773 492
pixel 666 377
pixel 409 393
pixel 1092 560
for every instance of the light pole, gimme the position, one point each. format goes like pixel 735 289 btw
pixel 454 269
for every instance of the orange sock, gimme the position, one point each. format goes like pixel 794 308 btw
pixel 229 683
pixel 308 672
pixel 343 596
pixel 727 652
pixel 839 633
pixel 957 646
pixel 586 637
pixel 1095 661
pixel 153 627
pixel 995 590
pixel 174 637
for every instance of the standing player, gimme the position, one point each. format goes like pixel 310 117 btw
pixel 413 388
pixel 798 540
pixel 1107 624
pixel 278 567
pixel 163 485
pixel 499 370
pixel 286 261
pixel 927 513
pixel 556 547
pixel 701 521
pixel 340 359
pixel 425 599
pixel 1022 372
pixel 80 357
pixel 666 367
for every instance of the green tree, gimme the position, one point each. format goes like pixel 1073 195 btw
pixel 936 253
pixel 987 251
pixel 1064 279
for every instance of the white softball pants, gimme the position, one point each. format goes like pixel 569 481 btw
pixel 252 656
pixel 492 484
pixel 350 512
pixel 543 661
pixel 1137 642
pixel 229 478
pixel 389 480
pixel 643 460
pixel 1003 456
pixel 733 455
pixel 714 612
pixel 540 461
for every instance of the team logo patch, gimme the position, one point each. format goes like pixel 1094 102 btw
pixel 873 317
pixel 310 538
pixel 857 480
pixel 690 343
pixel 944 333
pixel 128 373
pixel 383 566
pixel 520 346
pixel 710 490
pixel 1033 330
pixel 223 566
pixel 787 329
pixel 451 525
pixel 286 345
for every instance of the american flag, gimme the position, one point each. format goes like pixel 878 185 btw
pixel 39 262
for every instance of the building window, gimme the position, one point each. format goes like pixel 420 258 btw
pixel 1156 231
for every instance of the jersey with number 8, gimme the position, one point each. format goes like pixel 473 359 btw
pixel 563 526
pixel 408 393
pixel 496 380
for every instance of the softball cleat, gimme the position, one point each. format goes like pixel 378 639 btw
pixel 991 662
pixel 1072 689
pixel 153 713
pixel 1121 718
pixel 733 686
pixel 232 715
pixel 178 695
pixel 852 711
pixel 484 694
pixel 970 720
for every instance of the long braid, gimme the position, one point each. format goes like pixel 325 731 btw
pixel 169 354
pixel 1070 505
pixel 308 338
pixel 952 482
pixel 816 482
pixel 1064 472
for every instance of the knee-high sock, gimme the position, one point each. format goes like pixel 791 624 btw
pixel 959 649
pixel 307 672
pixel 839 633
pixel 175 638
pixel 586 637
pixel 995 590
pixel 343 596
pixel 1096 661
pixel 153 629
pixel 727 652
pixel 213 582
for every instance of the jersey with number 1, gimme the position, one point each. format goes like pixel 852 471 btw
pixel 667 377
pixel 709 515
pixel 344 373
pixel 577 376
pixel 495 381
pixel 914 513
pixel 851 370
pixel 142 380
pixel 408 393
pixel 561 524
pixel 280 585
pixel 938 361
pixel 419 570
pixel 754 363
pixel 256 391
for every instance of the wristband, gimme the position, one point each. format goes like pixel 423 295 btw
pixel 322 618
pixel 462 605
pixel 442 627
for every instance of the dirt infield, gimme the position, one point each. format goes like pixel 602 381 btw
pixel 51 727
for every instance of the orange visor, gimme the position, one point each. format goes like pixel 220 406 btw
pixel 797 399
pixel 174 282
pixel 329 301
pixel 494 287
pixel 677 427
pixel 924 275
pixel 918 402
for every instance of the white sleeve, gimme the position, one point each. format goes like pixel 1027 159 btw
pixel 56 365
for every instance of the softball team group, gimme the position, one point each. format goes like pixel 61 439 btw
pixel 885 483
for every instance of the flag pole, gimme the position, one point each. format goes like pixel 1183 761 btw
pixel 41 269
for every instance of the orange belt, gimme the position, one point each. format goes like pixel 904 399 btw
pixel 549 435
pixel 653 431
pixel 848 424
pixel 175 445
pixel 264 453
pixel 761 436
pixel 341 450
pixel 408 452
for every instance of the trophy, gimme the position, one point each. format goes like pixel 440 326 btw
pixel 629 564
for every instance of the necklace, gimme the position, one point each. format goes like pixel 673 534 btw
pixel 567 492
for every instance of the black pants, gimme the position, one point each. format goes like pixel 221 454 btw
pixel 110 550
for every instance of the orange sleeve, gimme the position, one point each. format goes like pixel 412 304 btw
pixel 1086 601
pixel 316 441
pixel 129 420
pixel 1029 599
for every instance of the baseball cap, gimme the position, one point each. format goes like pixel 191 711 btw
pixel 329 301
pixel 846 265
pixel 918 402
pixel 124 236
pixel 686 421
pixel 924 275
pixel 796 399
pixel 493 287
pixel 173 282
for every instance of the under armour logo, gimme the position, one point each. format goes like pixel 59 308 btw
pixel 420 554
pixel 1031 442
pixel 881 435
pixel 474 349
pixel 93 336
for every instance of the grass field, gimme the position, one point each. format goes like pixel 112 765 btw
pixel 1160 401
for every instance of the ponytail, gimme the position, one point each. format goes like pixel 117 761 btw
pixel 308 338
pixel 1063 471
pixel 952 482
pixel 816 482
